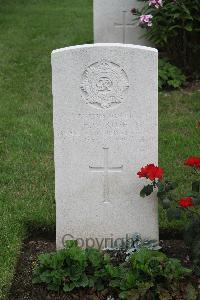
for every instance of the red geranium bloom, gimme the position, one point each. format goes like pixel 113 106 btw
pixel 186 202
pixel 193 162
pixel 151 172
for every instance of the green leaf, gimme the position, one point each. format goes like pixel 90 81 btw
pixel 123 295
pixel 173 213
pixel 170 186
pixel 196 200
pixel 188 28
pixel 146 191
pixel 170 75
pixel 164 294
pixel 191 293
pixel 94 256
pixel 68 287
pixel 166 203
pixel 196 186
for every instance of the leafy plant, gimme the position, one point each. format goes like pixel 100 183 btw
pixel 134 243
pixel 72 267
pixel 173 26
pixel 147 273
pixel 170 76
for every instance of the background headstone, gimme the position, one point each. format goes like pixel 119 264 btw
pixel 105 129
pixel 113 22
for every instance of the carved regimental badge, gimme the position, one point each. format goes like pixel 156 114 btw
pixel 104 84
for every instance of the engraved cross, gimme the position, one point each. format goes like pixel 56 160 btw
pixel 124 25
pixel 106 170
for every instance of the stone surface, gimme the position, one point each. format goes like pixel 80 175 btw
pixel 105 129
pixel 113 22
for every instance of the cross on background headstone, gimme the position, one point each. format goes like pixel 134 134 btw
pixel 118 24
pixel 124 25
pixel 106 170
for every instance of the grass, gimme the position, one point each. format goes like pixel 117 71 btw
pixel 179 138
pixel 30 30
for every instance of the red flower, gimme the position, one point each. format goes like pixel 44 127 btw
pixel 198 123
pixel 186 202
pixel 151 172
pixel 193 162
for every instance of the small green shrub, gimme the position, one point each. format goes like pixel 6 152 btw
pixel 170 76
pixel 72 267
pixel 147 272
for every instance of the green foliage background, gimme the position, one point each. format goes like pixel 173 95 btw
pixel 169 76
pixel 175 31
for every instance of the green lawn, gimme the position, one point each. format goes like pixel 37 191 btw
pixel 30 30
pixel 179 137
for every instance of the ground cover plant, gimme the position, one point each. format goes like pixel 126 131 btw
pixel 146 274
pixel 23 287
pixel 30 30
pixel 169 76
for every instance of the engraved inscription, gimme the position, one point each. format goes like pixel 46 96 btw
pixel 106 170
pixel 125 25
pixel 89 127
pixel 104 84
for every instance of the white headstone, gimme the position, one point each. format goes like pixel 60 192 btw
pixel 105 129
pixel 113 22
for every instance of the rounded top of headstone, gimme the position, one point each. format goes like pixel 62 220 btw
pixel 103 71
pixel 105 45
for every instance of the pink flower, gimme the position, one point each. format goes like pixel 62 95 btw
pixel 146 20
pixel 156 3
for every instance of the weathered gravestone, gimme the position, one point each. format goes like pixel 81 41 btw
pixel 113 22
pixel 105 127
